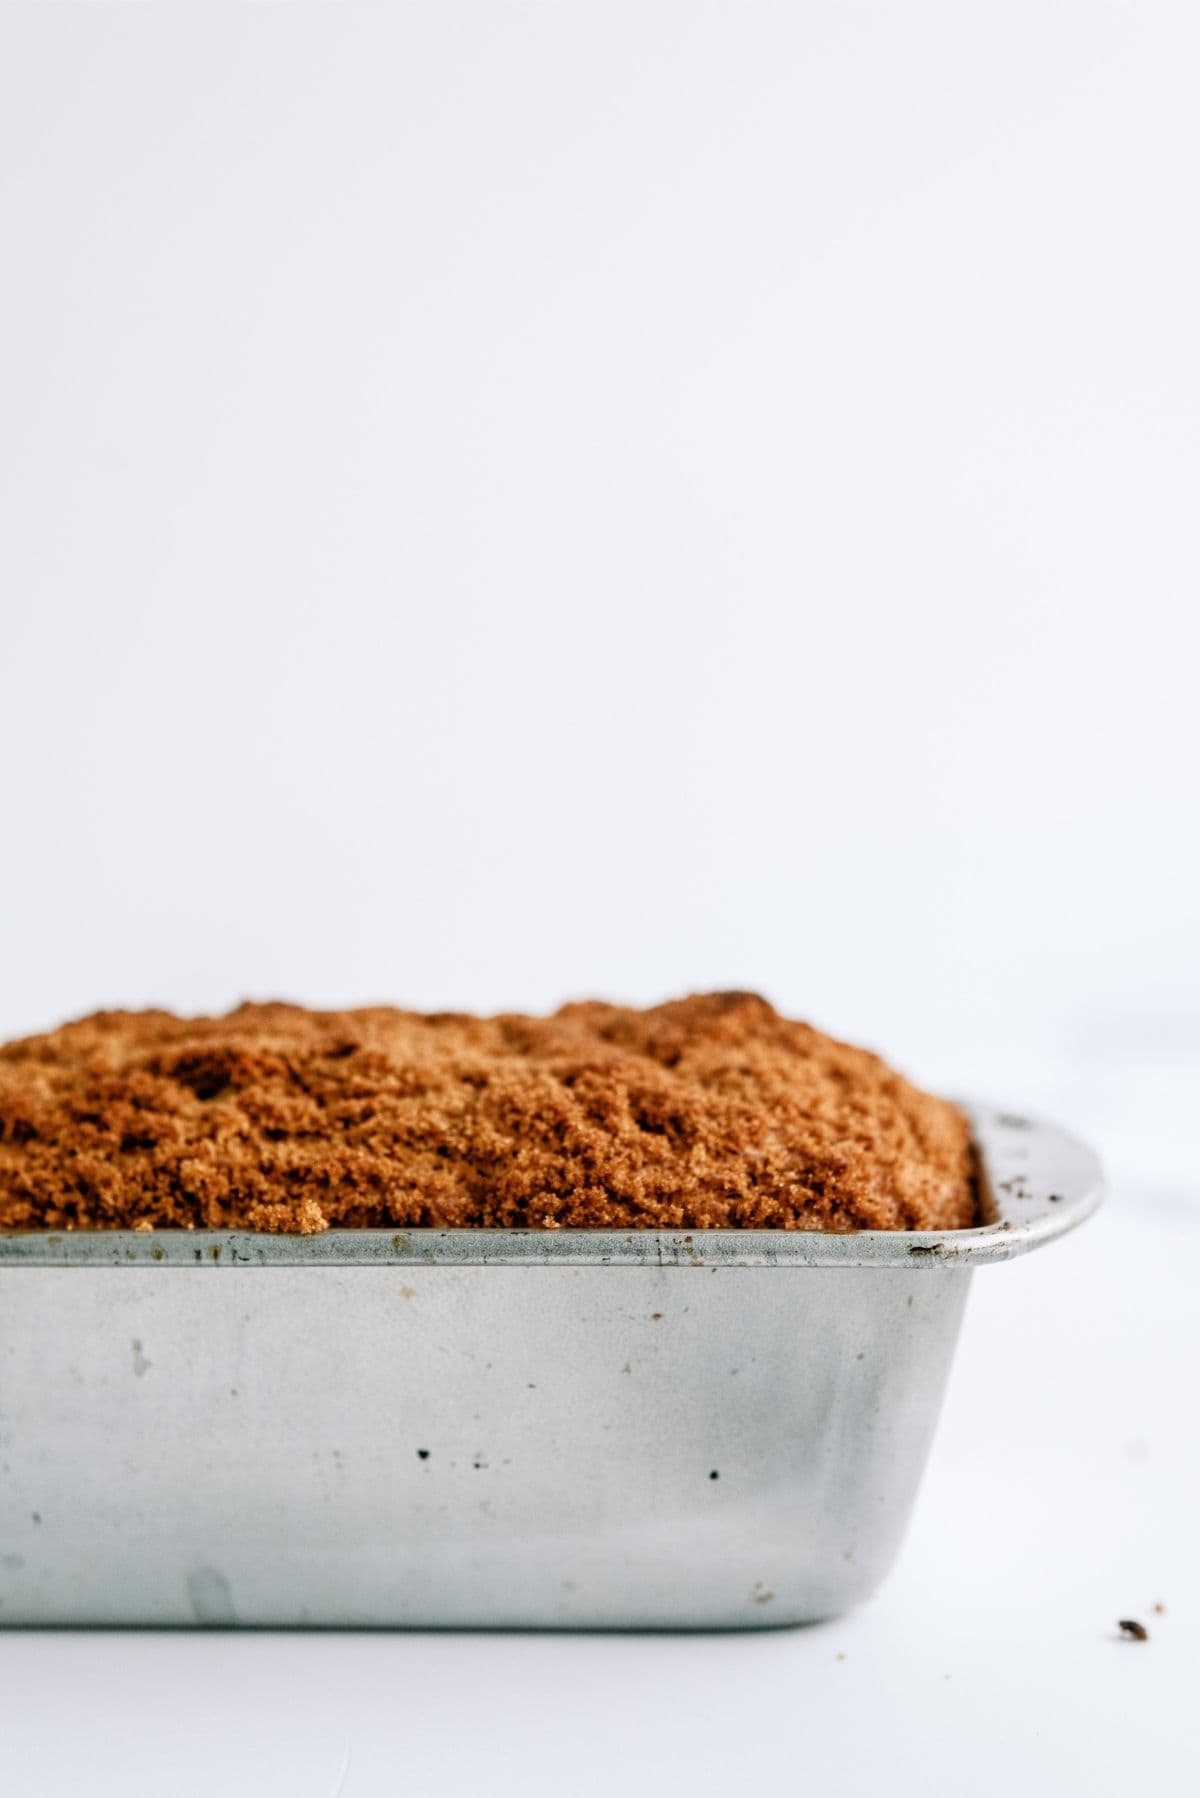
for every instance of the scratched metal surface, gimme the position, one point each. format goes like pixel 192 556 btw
pixel 485 1428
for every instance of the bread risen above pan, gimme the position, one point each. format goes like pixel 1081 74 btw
pixel 709 1112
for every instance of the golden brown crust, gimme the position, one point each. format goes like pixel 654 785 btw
pixel 708 1112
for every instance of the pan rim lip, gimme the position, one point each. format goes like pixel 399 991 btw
pixel 1037 1183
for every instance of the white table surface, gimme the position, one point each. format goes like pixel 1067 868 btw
pixel 1062 1495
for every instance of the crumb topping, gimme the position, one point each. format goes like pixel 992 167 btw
pixel 708 1112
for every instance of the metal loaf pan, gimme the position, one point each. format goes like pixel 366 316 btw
pixel 485 1427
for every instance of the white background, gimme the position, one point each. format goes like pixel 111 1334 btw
pixel 507 502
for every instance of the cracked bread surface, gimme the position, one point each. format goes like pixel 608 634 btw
pixel 707 1112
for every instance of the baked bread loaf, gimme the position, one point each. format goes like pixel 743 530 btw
pixel 709 1112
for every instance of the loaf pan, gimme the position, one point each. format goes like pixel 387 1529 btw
pixel 486 1428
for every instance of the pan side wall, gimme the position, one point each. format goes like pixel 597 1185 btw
pixel 614 1447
